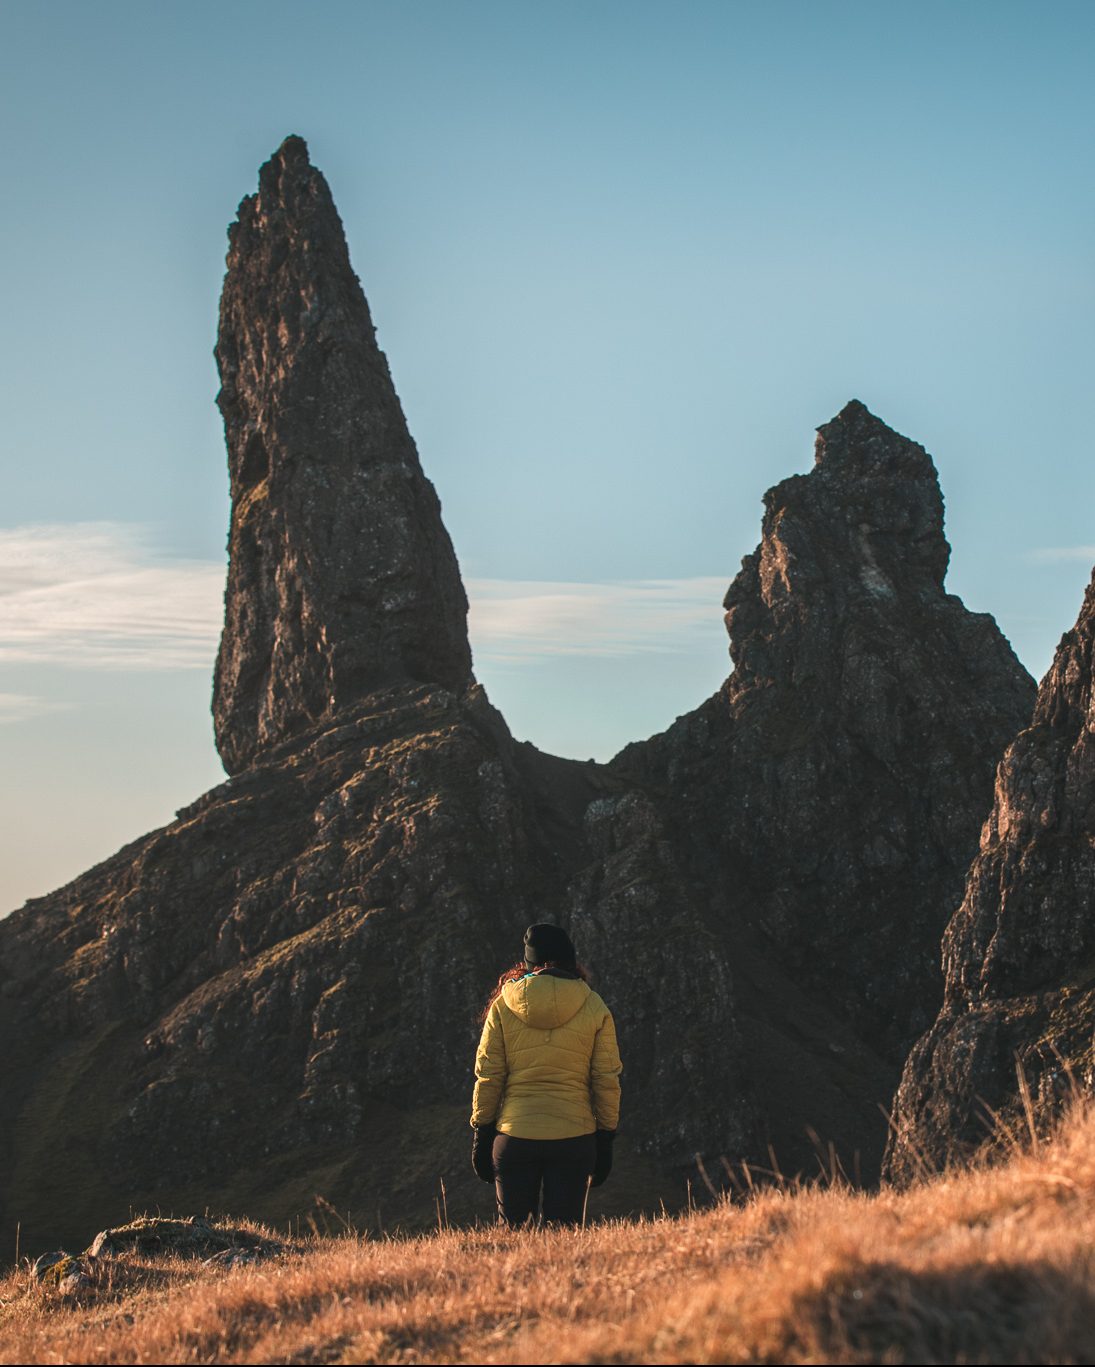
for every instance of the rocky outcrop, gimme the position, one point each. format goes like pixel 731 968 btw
pixel 276 996
pixel 120 1257
pixel 342 578
pixel 1015 1035
pixel 834 788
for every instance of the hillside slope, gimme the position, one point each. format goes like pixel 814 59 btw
pixel 985 1266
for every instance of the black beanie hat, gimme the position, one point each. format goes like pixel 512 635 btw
pixel 546 944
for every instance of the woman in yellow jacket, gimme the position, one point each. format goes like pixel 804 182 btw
pixel 547 1085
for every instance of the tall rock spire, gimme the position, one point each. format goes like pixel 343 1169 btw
pixel 341 577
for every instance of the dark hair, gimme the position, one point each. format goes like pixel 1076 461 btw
pixel 522 970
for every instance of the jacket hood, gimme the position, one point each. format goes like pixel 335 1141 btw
pixel 545 1002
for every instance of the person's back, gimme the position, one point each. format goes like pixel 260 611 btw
pixel 547 1091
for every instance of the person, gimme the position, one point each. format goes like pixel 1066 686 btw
pixel 547 1086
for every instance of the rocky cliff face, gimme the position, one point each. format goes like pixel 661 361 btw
pixel 342 577
pixel 1015 1034
pixel 276 995
pixel 834 787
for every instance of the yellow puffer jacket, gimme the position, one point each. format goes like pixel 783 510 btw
pixel 548 1066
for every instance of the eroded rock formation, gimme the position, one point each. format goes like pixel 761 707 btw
pixel 277 995
pixel 342 578
pixel 837 782
pixel 1015 1034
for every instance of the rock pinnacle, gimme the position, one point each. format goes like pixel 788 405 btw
pixel 342 578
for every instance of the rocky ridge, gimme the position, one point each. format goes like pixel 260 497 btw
pixel 1014 1036
pixel 276 995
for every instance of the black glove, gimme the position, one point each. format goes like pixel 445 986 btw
pixel 603 1166
pixel 482 1157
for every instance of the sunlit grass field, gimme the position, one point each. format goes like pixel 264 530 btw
pixel 994 1264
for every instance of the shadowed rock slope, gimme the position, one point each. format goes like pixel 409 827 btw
pixel 276 996
pixel 1019 955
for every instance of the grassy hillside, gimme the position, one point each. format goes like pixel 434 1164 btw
pixel 990 1265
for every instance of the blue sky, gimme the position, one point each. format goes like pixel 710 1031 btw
pixel 623 259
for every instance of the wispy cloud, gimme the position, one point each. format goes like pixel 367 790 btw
pixel 96 595
pixel 1056 554
pixel 15 707
pixel 515 620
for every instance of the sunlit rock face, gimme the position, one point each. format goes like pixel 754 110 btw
pixel 1019 956
pixel 834 788
pixel 342 578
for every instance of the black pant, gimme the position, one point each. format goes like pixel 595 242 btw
pixel 556 1170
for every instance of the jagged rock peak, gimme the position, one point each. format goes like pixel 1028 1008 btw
pixel 858 442
pixel 860 687
pixel 342 578
pixel 888 491
pixel 864 526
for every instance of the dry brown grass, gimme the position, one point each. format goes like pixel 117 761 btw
pixel 993 1265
